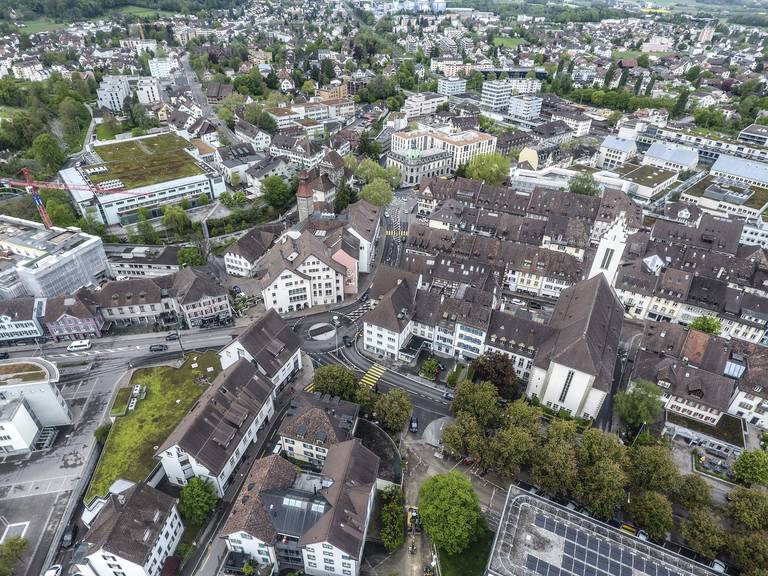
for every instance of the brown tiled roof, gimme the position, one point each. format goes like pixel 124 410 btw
pixel 270 341
pixel 318 419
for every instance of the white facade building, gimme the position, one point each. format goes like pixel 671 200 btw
pixel 423 104
pixel 463 146
pixel 20 319
pixel 496 94
pixel 37 387
pixel 524 107
pixel 671 157
pixel 162 68
pixel 451 86
pixel 19 428
pixel 148 90
pixel 615 152
pixel 112 92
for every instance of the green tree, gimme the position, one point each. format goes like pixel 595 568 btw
pixel 493 168
pixel 463 436
pixel 597 445
pixel 102 433
pixel 234 179
pixel 176 220
pixel 652 512
pixel 336 380
pixel 480 400
pixel 681 104
pixel 508 450
pixel 521 413
pixel 554 467
pixel 708 324
pixel 751 467
pixel 651 468
pixel 378 192
pixel 430 367
pixel 601 487
pixel 499 370
pixel 276 192
pixel 203 200
pixel 584 184
pixel 392 517
pixel 308 88
pixel 345 196
pixel 366 399
pixel 393 409
pixel 693 493
pixel 749 552
pixel 748 509
pixel 196 502
pixel 450 496
pixel 703 534
pixel 147 232
pixel 11 552
pixel 190 256
pixel 643 61
pixel 47 153
pixel 642 404
pixel 61 213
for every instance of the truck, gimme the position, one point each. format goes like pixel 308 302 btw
pixel 414 521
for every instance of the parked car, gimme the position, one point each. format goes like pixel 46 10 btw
pixel 277 449
pixel 448 395
pixel 69 536
pixel 414 427
pixel 4 355
pixel 534 306
pixel 172 336
pixel 347 341
pixel 158 348
pixel 518 302
pixel 718 566
pixel 54 570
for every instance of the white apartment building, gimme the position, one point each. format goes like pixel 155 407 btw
pixel 300 272
pixel 576 121
pixel 197 449
pixel 736 169
pixel 339 501
pixel 162 68
pixel 112 92
pixel 37 387
pixel 524 108
pixel 525 85
pixel 271 345
pixel 496 94
pixel 54 261
pixel 148 90
pixel 423 104
pixel 615 152
pixel 452 85
pixel 133 534
pixel 20 319
pixel 463 146
pixel 19 428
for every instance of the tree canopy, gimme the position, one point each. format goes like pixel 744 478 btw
pixel 378 192
pixel 492 168
pixel 336 380
pixel 751 467
pixel 197 501
pixel 642 404
pixel 393 409
pixel 708 324
pixel 584 184
pixel 450 511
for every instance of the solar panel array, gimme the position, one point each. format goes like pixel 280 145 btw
pixel 588 555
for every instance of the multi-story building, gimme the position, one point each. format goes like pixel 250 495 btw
pixel 112 92
pixel 579 122
pixel 463 146
pixel 19 427
pixel 709 148
pixel 142 261
pixel 335 507
pixel 133 534
pixel 313 424
pixel 213 438
pixel 148 90
pixel 749 172
pixel 242 257
pixel 524 85
pixel 496 94
pixel 451 86
pixel 162 68
pixel 299 272
pixel 35 381
pixel 755 134
pixel 615 152
pixel 524 108
pixel 146 172
pixel 20 319
pixel 422 104
pixel 269 344
pixel 52 261
pixel 417 166
pixel 670 157
pixel 300 151
pixel 74 317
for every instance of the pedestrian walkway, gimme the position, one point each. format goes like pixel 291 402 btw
pixel 373 375
pixel 397 232
pixel 359 311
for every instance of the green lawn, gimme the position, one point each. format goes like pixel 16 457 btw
pixel 508 42
pixel 472 561
pixel 121 402
pixel 143 12
pixel 130 448
pixel 147 161
pixel 104 133
pixel 42 24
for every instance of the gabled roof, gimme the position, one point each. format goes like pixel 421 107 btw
pixel 270 341
pixel 587 319
pixel 127 525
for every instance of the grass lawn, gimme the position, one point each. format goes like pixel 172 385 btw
pixel 508 42
pixel 145 162
pixel 42 24
pixel 143 12
pixel 472 561
pixel 130 448
pixel 635 54
pixel 104 133
pixel 121 402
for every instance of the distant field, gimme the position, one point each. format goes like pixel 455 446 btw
pixel 142 11
pixel 42 24
pixel 508 42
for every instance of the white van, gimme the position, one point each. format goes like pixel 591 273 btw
pixel 78 345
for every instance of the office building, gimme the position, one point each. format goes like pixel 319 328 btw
pixel 496 94
pixel 451 86
pixel 463 146
pixel 525 108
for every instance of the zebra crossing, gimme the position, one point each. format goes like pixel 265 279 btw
pixel 397 233
pixel 373 375
pixel 359 311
